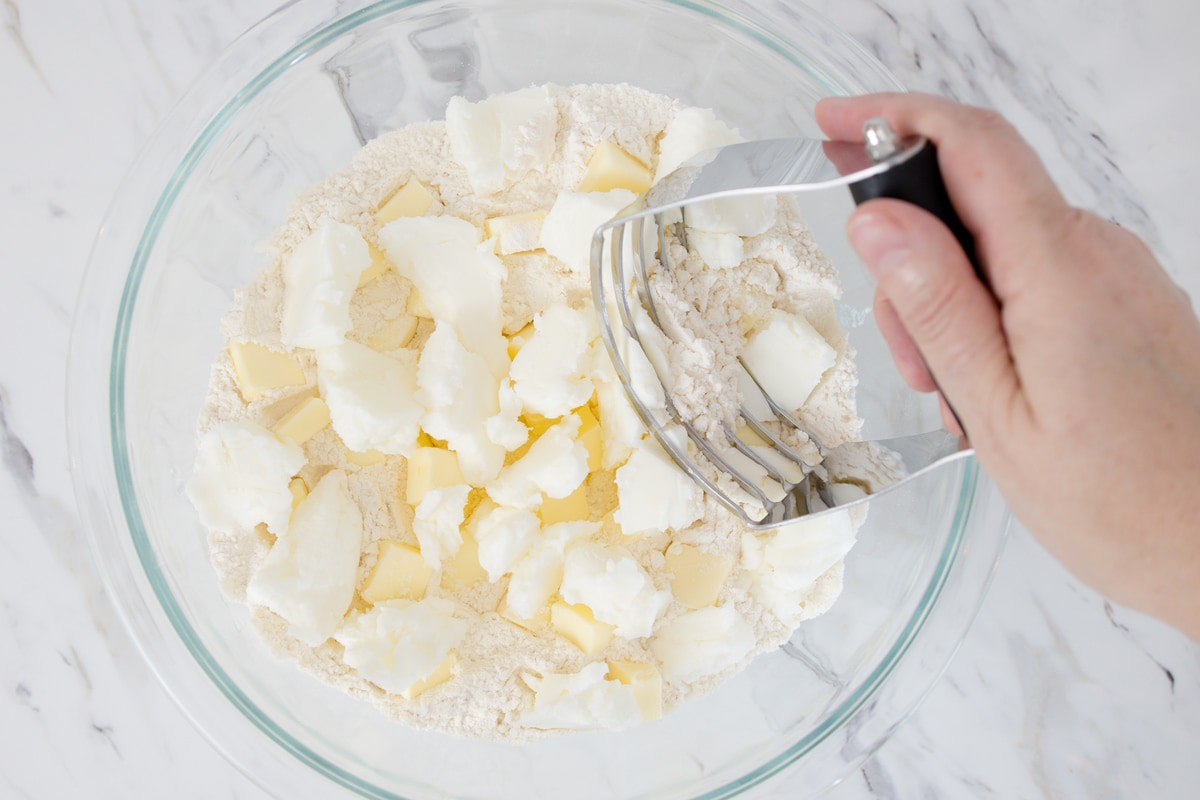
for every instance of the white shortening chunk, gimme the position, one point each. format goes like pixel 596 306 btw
pixel 398 643
pixel 738 216
pixel 309 574
pixel 499 139
pixel 788 358
pixel 555 465
pixel 574 217
pixel 504 535
pixel 505 428
pixel 655 494
pixel 691 132
pixel 702 643
pixel 621 428
pixel 786 562
pixel 461 394
pixel 582 701
pixel 371 397
pixel 457 276
pixel 717 250
pixel 241 478
pixel 319 278
pixel 436 522
pixel 538 574
pixel 615 587
pixel 549 372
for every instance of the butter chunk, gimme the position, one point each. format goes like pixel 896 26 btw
pixel 646 681
pixel 378 266
pixel 697 576
pixel 299 490
pixel 788 358
pixel 367 458
pixel 416 306
pixel 517 340
pixel 394 333
pixel 463 570
pixel 399 573
pixel 309 574
pixel 610 168
pixel 442 673
pixel 515 233
pixel 430 468
pixel 573 219
pixel 572 508
pixel 305 420
pixel 412 199
pixel 260 370
pixel 578 625
pixel 591 435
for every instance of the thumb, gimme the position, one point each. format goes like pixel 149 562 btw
pixel 952 318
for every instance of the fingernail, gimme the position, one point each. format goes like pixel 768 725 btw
pixel 879 240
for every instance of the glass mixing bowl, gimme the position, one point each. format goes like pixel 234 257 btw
pixel 292 101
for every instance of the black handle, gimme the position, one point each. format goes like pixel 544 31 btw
pixel 918 180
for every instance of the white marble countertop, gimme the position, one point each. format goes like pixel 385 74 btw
pixel 1055 692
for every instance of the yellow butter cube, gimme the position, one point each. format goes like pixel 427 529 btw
pixel 259 369
pixel 518 340
pixel 537 425
pixel 537 623
pixel 416 306
pixel 400 573
pixel 515 233
pixel 307 418
pixel 367 458
pixel 610 168
pixel 413 200
pixel 299 490
pixel 572 508
pixel 430 468
pixel 441 673
pixel 646 681
pixel 393 333
pixel 592 437
pixel 751 436
pixel 462 570
pixel 379 265
pixel 697 576
pixel 578 625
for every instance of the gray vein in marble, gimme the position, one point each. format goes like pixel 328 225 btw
pixel 12 23
pixel 14 455
pixel 1110 612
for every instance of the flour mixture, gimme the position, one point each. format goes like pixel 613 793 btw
pixel 420 471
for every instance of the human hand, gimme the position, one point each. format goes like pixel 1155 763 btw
pixel 1077 377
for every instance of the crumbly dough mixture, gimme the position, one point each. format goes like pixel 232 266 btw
pixel 487 695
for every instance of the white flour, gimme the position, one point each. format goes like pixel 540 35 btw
pixel 486 696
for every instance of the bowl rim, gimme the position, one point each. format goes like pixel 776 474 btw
pixel 127 528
